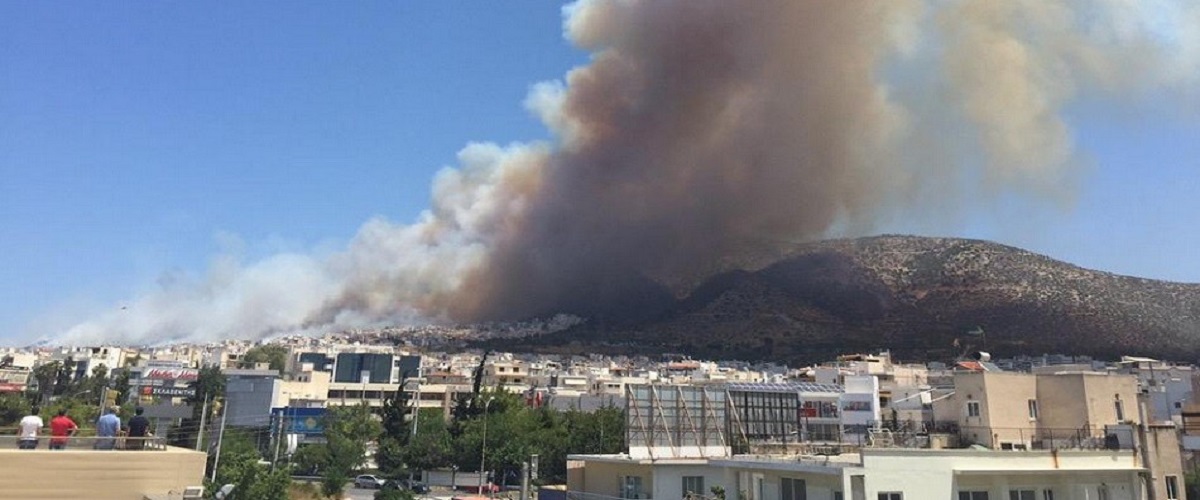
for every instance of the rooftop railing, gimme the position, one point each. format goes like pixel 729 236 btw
pixel 83 442
pixel 909 434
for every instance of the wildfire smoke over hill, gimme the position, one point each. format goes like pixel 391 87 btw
pixel 701 133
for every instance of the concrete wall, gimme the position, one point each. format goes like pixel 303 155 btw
pixel 98 475
pixel 1004 412
pixel 1063 405
pixel 314 387
pixel 1085 400
pixel 668 480
pixel 1164 459
pixel 603 477
pixel 816 486
pixel 248 401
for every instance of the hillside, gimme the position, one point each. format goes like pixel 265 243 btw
pixel 914 295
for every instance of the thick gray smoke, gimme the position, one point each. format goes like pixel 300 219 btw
pixel 704 135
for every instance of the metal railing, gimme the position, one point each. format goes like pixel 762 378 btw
pixel 909 434
pixel 580 495
pixel 88 443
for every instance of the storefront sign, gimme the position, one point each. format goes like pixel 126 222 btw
pixel 171 373
pixel 170 392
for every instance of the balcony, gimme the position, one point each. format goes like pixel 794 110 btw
pixel 79 471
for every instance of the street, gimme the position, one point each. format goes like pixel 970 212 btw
pixel 369 494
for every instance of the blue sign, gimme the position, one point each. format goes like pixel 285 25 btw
pixel 308 421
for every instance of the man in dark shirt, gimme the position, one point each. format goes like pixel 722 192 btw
pixel 139 427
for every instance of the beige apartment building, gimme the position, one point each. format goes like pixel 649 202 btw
pixel 1010 410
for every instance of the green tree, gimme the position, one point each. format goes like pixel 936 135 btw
pixel 13 407
pixel 91 386
pixel 395 416
pixel 241 466
pixel 431 447
pixel 64 377
pixel 505 426
pixel 274 354
pixel 82 411
pixel 209 385
pixel 348 429
pixel 333 482
pixel 310 460
pixel 210 388
pixel 45 375
pixel 598 432
pixel 121 384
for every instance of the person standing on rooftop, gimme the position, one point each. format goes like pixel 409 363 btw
pixel 107 427
pixel 61 429
pixel 28 430
pixel 139 430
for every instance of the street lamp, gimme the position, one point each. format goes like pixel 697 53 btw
pixel 483 448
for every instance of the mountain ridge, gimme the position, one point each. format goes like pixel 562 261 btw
pixel 918 296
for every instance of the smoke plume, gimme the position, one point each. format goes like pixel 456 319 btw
pixel 702 135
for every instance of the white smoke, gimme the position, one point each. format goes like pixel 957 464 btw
pixel 703 131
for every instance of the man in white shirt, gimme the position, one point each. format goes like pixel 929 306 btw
pixel 28 430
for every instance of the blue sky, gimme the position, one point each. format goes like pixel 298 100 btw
pixel 135 136
pixel 133 133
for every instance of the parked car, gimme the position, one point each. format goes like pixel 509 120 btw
pixel 416 487
pixel 404 484
pixel 368 481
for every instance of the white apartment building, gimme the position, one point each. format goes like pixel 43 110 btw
pixel 873 473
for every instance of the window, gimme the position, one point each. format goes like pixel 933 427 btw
pixel 972 408
pixel 693 486
pixel 972 495
pixel 631 487
pixel 1102 490
pixel 1022 495
pixel 1120 410
pixel 1047 494
pixel 891 495
pixel 837 495
pixel 1033 409
pixel 792 489
pixel 1172 487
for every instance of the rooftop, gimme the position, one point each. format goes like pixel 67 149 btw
pixel 98 474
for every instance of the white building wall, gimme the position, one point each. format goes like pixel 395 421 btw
pixel 668 480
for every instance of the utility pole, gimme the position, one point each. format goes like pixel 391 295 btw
pixel 203 417
pixel 483 449
pixel 220 436
pixel 278 438
pixel 412 476
pixel 524 480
